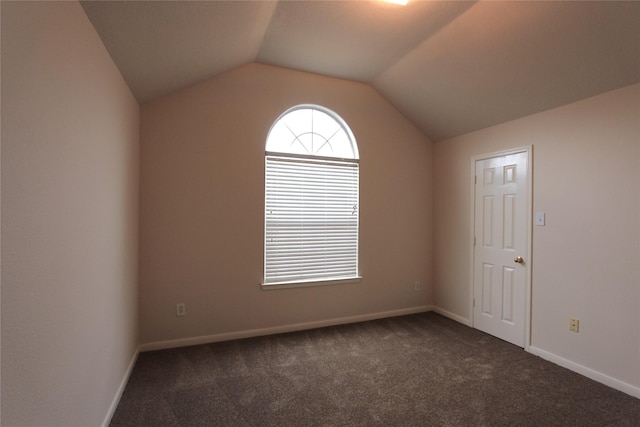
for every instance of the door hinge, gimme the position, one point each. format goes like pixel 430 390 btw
pixel 474 302
pixel 474 241
pixel 475 179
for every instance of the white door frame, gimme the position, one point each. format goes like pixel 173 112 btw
pixel 529 224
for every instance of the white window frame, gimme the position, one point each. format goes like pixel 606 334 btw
pixel 303 246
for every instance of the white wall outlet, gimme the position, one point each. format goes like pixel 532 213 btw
pixel 417 286
pixel 574 325
pixel 540 218
pixel 181 309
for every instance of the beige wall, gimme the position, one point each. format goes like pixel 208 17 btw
pixel 586 260
pixel 202 202
pixel 69 219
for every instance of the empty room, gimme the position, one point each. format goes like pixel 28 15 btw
pixel 245 213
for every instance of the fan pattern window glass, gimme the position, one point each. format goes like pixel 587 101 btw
pixel 311 199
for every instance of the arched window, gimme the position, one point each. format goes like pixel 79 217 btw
pixel 311 199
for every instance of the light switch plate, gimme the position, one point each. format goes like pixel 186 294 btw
pixel 539 218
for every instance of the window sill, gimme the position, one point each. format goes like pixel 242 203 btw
pixel 308 284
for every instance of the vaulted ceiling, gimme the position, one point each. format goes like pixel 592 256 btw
pixel 451 67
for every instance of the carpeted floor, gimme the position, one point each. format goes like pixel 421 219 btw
pixel 417 370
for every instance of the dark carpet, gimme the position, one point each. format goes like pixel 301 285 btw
pixel 417 370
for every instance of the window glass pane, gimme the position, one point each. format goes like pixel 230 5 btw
pixel 280 138
pixel 342 145
pixel 298 121
pixel 310 131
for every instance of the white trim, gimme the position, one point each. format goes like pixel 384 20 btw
pixel 227 336
pixel 123 384
pixel 313 157
pixel 528 300
pixel 472 239
pixel 310 283
pixel 453 316
pixel 529 265
pixel 587 372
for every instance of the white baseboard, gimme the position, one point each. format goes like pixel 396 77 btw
pixel 184 342
pixel 453 316
pixel 587 372
pixel 123 384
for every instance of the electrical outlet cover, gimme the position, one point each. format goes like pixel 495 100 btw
pixel 181 309
pixel 574 325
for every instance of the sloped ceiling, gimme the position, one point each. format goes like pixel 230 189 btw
pixel 451 67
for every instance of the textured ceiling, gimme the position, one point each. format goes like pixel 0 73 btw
pixel 450 67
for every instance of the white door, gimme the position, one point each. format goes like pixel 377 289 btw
pixel 501 258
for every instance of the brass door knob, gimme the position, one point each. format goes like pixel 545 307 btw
pixel 518 259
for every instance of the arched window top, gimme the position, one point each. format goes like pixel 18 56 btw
pixel 311 130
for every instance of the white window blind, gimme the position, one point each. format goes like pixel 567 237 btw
pixel 311 219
